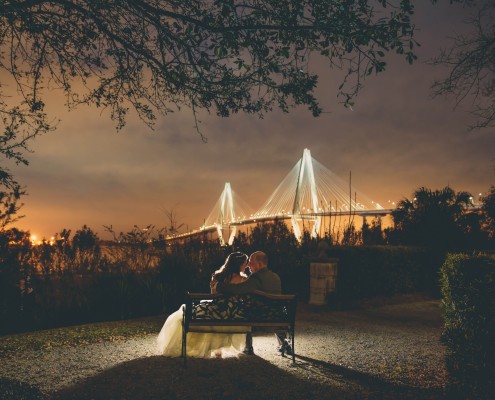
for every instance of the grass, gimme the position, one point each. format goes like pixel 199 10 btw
pixel 80 334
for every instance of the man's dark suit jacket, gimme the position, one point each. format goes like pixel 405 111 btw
pixel 263 280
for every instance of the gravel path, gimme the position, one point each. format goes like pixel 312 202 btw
pixel 384 352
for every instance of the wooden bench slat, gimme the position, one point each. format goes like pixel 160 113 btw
pixel 211 296
pixel 219 322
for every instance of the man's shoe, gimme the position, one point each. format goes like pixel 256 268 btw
pixel 288 348
pixel 285 348
pixel 249 351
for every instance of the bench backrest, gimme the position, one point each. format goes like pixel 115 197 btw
pixel 255 308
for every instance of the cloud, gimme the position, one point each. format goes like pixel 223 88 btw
pixel 397 139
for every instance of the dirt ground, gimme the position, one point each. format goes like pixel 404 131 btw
pixel 383 350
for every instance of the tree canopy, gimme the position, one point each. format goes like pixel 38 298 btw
pixel 221 55
pixel 156 56
pixel 432 217
pixel 471 63
pixel 488 208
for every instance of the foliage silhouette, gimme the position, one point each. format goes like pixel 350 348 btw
pixel 488 208
pixel 470 64
pixel 155 57
pixel 432 218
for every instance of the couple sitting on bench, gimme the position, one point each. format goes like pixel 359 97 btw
pixel 229 280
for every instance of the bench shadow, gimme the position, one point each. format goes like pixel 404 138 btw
pixel 13 389
pixel 243 378
pixel 375 387
pixel 160 377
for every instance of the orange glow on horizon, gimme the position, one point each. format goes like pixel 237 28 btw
pixel 36 242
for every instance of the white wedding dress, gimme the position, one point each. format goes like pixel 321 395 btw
pixel 203 345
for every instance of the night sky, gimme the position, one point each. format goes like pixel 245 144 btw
pixel 396 139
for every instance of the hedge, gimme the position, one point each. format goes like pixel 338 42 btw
pixel 369 271
pixel 468 289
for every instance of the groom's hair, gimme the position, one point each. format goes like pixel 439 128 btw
pixel 260 257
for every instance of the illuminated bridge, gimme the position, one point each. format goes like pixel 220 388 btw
pixel 308 193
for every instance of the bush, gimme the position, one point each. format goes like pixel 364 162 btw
pixel 468 288
pixel 59 300
pixel 77 281
pixel 368 271
pixel 14 278
pixel 189 267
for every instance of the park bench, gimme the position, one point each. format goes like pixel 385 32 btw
pixel 203 312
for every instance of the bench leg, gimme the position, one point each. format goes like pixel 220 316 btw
pixel 184 347
pixel 293 351
pixel 249 344
pixel 292 334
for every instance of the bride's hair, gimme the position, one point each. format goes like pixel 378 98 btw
pixel 232 266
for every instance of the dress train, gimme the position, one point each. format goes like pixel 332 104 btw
pixel 202 345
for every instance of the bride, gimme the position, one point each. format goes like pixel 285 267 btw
pixel 206 345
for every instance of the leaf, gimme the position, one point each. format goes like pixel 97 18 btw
pixel 220 51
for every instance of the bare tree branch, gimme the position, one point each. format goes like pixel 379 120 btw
pixel 154 56
pixel 471 61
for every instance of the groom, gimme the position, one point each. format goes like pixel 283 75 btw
pixel 261 279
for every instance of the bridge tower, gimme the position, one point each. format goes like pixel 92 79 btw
pixel 226 215
pixel 306 183
pixel 226 211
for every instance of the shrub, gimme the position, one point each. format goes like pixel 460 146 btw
pixel 14 278
pixel 77 281
pixel 80 298
pixel 368 271
pixel 188 267
pixel 468 289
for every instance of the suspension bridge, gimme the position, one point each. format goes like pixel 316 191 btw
pixel 309 192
